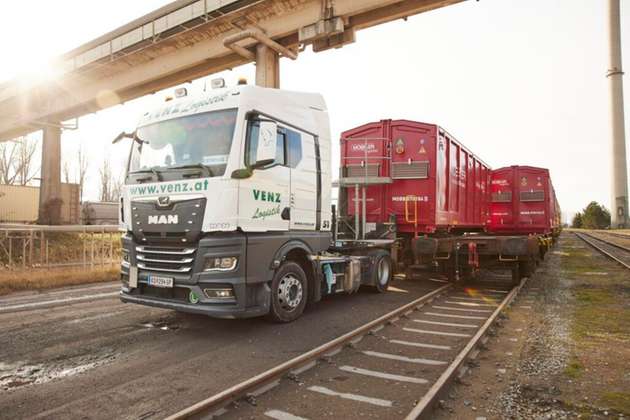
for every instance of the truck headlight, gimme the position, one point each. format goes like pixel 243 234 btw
pixel 220 263
pixel 125 257
pixel 219 293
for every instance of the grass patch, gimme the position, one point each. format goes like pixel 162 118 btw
pixel 578 263
pixel 574 368
pixel 598 296
pixel 11 282
pixel 600 314
pixel 618 401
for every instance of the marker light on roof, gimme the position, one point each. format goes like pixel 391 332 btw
pixel 181 92
pixel 217 83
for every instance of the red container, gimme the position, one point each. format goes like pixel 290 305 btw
pixel 523 201
pixel 424 177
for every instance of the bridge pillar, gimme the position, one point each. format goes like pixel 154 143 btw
pixel 267 67
pixel 50 185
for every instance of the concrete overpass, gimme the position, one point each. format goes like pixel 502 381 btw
pixel 180 42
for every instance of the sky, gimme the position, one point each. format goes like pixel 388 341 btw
pixel 516 81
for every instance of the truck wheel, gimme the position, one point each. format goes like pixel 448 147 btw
pixel 288 293
pixel 381 271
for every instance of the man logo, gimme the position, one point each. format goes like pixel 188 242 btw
pixel 164 201
pixel 171 219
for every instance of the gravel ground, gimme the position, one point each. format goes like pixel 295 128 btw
pixel 104 359
pixel 530 369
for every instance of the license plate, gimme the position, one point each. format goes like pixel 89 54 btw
pixel 158 281
pixel 133 277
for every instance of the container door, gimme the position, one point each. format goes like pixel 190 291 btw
pixel 501 208
pixel 533 196
pixel 412 191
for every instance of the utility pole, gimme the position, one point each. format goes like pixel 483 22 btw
pixel 619 204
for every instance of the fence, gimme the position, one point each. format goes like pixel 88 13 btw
pixel 32 247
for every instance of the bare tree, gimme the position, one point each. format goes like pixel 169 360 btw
pixel 7 152
pixel 66 172
pixel 110 185
pixel 24 166
pixel 82 162
pixel 16 161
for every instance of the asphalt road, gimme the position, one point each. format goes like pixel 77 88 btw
pixel 103 359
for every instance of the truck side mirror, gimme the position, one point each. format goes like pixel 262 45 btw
pixel 267 143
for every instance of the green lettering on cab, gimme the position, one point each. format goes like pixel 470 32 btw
pixel 268 196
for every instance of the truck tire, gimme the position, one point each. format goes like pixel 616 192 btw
pixel 289 293
pixel 382 270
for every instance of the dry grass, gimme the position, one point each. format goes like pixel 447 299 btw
pixel 40 279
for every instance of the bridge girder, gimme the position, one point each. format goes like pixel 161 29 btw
pixel 187 55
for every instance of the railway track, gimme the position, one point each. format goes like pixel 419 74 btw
pixel 396 366
pixel 617 252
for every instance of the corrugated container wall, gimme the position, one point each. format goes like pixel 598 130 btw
pixel 429 181
pixel 20 204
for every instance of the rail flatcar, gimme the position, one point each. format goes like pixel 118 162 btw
pixel 412 182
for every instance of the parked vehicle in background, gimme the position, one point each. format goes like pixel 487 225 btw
pixel 100 213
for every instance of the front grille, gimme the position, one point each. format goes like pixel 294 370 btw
pixel 538 195
pixel 502 197
pixel 411 170
pixel 165 259
pixel 355 171
pixel 166 235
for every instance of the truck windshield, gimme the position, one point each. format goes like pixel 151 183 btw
pixel 194 140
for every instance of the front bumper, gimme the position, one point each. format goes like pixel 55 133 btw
pixel 250 290
pixel 209 309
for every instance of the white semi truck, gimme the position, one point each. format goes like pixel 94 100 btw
pixel 227 212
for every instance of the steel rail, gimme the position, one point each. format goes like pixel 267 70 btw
pixel 616 235
pixel 262 380
pixel 426 403
pixel 584 236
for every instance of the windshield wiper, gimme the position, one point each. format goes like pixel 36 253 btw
pixel 152 170
pixel 195 165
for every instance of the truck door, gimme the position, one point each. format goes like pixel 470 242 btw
pixel 263 203
pixel 305 191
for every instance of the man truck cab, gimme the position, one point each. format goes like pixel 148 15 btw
pixel 226 208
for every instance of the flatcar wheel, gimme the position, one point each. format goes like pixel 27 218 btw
pixel 516 274
pixel 526 268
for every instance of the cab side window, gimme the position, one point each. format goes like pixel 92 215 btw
pixel 253 146
pixel 294 145
pixel 289 146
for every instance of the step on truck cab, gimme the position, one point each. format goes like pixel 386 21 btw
pixel 226 208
